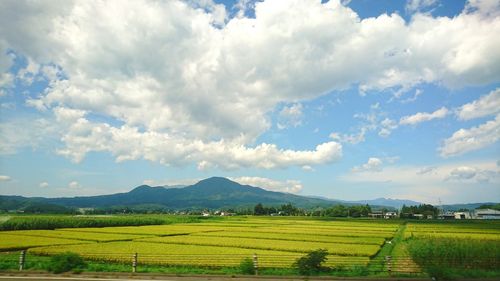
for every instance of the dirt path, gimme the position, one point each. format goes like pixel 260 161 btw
pixel 402 262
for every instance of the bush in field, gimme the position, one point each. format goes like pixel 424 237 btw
pixel 311 263
pixel 246 266
pixel 65 262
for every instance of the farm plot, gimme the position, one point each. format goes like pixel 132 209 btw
pixel 77 235
pixel 177 254
pixel 16 242
pixel 465 231
pixel 159 230
pixel 325 232
pixel 265 244
pixel 296 237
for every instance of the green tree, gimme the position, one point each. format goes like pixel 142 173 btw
pixel 312 263
pixel 258 210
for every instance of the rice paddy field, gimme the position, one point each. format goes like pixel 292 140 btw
pixel 277 242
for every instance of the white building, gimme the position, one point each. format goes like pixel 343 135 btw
pixel 462 215
pixel 487 214
pixel 390 215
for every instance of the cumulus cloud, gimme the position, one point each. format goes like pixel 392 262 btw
pixel 4 178
pixel 197 80
pixel 44 184
pixel 423 117
pixel 465 140
pixel 373 164
pixel 289 186
pixel 129 143
pixel 484 106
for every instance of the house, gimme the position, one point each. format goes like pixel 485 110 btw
pixel 390 215
pixel 462 215
pixel 418 216
pixel 487 214
pixel 447 216
pixel 376 214
pixel 205 214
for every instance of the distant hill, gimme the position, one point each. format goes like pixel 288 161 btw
pixel 211 193
pixel 215 192
pixel 468 206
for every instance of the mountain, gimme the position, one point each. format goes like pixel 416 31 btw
pixel 212 193
pixel 468 206
pixel 215 192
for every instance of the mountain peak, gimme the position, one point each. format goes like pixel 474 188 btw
pixel 145 188
pixel 216 180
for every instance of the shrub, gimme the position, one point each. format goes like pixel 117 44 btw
pixel 65 262
pixel 312 262
pixel 246 266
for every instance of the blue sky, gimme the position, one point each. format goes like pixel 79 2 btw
pixel 345 99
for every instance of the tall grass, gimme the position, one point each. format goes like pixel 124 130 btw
pixel 450 253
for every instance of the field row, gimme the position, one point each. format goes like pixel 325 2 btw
pixel 176 254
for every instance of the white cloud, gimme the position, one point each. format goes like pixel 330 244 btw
pixel 419 5
pixel 484 106
pixel 289 186
pixel 307 168
pixel 350 138
pixel 34 133
pixel 386 127
pixel 423 117
pixel 473 174
pixel 465 140
pixel 426 170
pixel 373 164
pixel 4 178
pixel 290 116
pixel 196 79
pixel 44 184
pixel 415 96
pixel 463 172
pixel 74 184
pixel 490 7
pixel 428 183
pixel 128 143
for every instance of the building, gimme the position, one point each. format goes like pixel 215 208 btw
pixel 447 216
pixel 376 214
pixel 390 215
pixel 487 214
pixel 462 215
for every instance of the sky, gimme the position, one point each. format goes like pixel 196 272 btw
pixel 350 100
